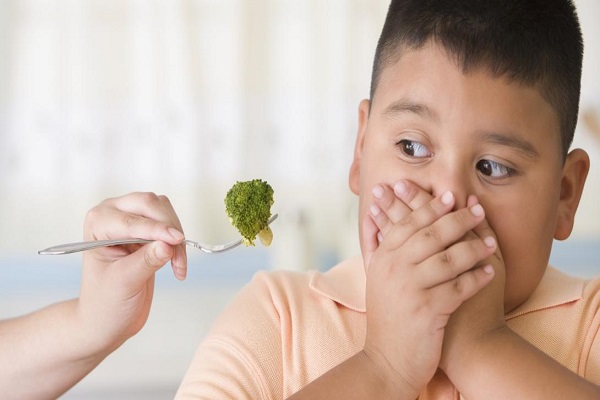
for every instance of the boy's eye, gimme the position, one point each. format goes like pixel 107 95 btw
pixel 494 170
pixel 413 149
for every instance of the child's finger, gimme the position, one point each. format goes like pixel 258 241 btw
pixel 419 225
pixel 387 208
pixel 411 194
pixel 438 235
pixel 457 259
pixel 483 229
pixel 455 292
pixel 369 232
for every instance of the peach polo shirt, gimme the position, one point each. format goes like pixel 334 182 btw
pixel 285 329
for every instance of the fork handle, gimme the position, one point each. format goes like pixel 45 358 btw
pixel 82 246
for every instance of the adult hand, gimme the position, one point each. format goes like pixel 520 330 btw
pixel 118 282
pixel 46 352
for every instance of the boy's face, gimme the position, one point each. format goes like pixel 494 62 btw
pixel 471 134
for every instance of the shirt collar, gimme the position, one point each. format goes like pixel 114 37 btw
pixel 555 289
pixel 345 284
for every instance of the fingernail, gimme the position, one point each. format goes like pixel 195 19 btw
pixel 447 198
pixel 375 210
pixel 488 269
pixel 477 210
pixel 176 234
pixel 400 188
pixel 377 191
pixel 489 241
pixel 179 274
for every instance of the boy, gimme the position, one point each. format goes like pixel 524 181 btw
pixel 472 112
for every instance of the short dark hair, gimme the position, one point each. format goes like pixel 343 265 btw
pixel 537 43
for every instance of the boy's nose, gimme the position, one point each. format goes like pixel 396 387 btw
pixel 454 179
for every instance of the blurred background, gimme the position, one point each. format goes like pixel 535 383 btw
pixel 99 98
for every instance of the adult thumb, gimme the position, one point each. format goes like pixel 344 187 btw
pixel 150 258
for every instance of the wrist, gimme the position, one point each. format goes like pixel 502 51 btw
pixel 460 357
pixel 391 382
pixel 98 336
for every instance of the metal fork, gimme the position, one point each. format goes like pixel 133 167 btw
pixel 69 248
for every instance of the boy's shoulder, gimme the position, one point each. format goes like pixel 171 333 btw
pixel 343 284
pixel 562 318
pixel 555 289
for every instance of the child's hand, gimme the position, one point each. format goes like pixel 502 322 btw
pixel 419 271
pixel 118 282
pixel 478 316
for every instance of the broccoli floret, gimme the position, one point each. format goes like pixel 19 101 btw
pixel 248 205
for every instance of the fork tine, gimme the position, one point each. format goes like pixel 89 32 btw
pixel 210 248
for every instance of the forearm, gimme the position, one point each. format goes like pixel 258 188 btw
pixel 355 378
pixel 44 353
pixel 506 366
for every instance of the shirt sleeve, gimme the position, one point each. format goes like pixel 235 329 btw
pixel 592 364
pixel 241 357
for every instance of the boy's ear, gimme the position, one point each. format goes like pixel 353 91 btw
pixel 573 178
pixel 363 117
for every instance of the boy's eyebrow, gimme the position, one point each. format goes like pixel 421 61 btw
pixel 511 140
pixel 407 106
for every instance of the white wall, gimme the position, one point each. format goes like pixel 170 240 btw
pixel 100 98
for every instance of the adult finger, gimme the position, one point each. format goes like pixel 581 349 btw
pixel 104 222
pixel 158 207
pixel 179 261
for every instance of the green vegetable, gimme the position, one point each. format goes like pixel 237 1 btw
pixel 248 205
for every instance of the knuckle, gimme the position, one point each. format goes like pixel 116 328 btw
pixel 152 198
pixel 92 214
pixel 458 286
pixel 408 222
pixel 432 232
pixel 477 247
pixel 148 198
pixel 431 210
pixel 464 286
pixel 91 219
pixel 450 261
pixel 131 220
pixel 410 193
pixel 149 259
pixel 464 218
pixel 164 200
pixel 447 259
